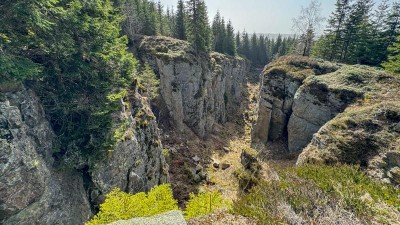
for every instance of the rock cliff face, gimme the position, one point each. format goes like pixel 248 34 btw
pixel 37 189
pixel 198 89
pixel 288 109
pixel 137 163
pixel 332 113
pixel 32 190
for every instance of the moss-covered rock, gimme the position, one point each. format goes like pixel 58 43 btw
pixel 332 113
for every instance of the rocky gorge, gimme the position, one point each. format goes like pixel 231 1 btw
pixel 197 92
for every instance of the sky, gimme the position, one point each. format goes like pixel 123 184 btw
pixel 261 16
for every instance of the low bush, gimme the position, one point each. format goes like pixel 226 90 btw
pixel 204 204
pixel 122 206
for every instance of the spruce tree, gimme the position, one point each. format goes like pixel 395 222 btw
pixel 149 18
pixel 246 45
pixel 393 64
pixel 218 29
pixel 198 27
pixel 238 43
pixel 180 27
pixel 253 55
pixel 230 39
pixel 336 28
pixel 356 30
pixel 160 19
pixel 392 24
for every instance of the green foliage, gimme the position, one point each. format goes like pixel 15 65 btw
pixel 393 64
pixel 122 206
pixel 180 27
pixel 203 204
pixel 75 51
pixel 309 188
pixel 148 82
pixel 17 69
pixel 356 34
pixel 199 32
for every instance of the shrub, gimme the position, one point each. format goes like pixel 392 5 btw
pixel 122 206
pixel 203 204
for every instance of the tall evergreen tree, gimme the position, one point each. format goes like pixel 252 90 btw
pixel 198 27
pixel 230 39
pixel 180 27
pixel 149 18
pixel 245 44
pixel 393 64
pixel 253 54
pixel 238 43
pixel 218 29
pixel 356 28
pixel 160 19
pixel 336 28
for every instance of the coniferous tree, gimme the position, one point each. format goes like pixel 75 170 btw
pixel 245 44
pixel 149 18
pixel 336 28
pixel 253 54
pixel 230 39
pixel 392 24
pixel 277 46
pixel 393 64
pixel 198 27
pixel 218 29
pixel 160 19
pixel 378 47
pixel 356 28
pixel 238 43
pixel 180 27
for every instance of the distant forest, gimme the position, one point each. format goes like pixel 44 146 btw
pixel 190 22
pixel 356 33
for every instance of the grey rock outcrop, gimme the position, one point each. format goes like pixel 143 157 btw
pixel 32 190
pixel 332 114
pixel 137 163
pixel 275 105
pixel 35 188
pixel 289 110
pixel 198 89
pixel 170 218
pixel 315 104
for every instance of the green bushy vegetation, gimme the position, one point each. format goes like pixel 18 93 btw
pixel 75 52
pixel 204 204
pixel 122 206
pixel 309 189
